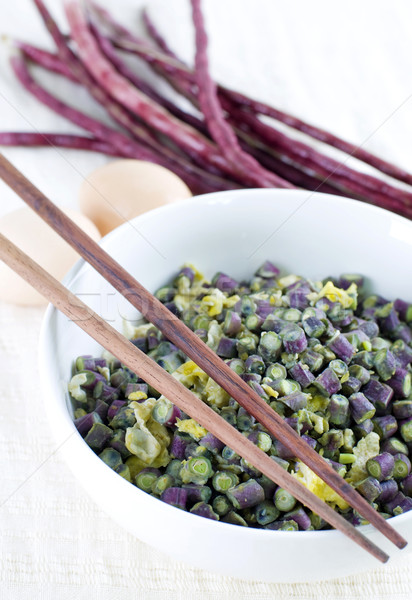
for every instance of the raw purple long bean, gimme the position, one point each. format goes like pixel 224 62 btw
pixel 219 129
pixel 125 146
pixel 48 60
pixel 260 108
pixel 348 181
pixel 60 140
pixel 247 151
pixel 126 94
pixel 319 134
pixel 110 52
pixel 123 117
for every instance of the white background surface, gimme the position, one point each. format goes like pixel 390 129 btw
pixel 346 67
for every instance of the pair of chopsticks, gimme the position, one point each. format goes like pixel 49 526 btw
pixel 175 330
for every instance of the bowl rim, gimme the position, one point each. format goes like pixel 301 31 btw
pixel 216 198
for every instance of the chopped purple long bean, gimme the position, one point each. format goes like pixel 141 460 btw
pixel 346 411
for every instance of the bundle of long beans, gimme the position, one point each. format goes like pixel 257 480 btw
pixel 228 146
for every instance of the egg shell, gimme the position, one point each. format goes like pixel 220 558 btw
pixel 123 189
pixel 32 235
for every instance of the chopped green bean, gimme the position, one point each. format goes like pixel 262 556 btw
pixel 224 480
pixel 336 365
pixel 284 501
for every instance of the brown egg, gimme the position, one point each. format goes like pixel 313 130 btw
pixel 123 189
pixel 31 234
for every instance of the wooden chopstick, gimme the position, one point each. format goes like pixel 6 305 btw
pixel 156 376
pixel 176 331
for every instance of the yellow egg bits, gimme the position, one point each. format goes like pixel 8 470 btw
pixel 366 448
pixel 317 486
pixel 347 298
pixel 200 383
pixel 147 440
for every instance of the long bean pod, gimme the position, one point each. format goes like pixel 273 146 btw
pixel 260 108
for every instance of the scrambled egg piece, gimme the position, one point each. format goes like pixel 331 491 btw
pixel 192 428
pixel 183 301
pixel 320 424
pixel 349 440
pixel 147 439
pixel 213 335
pixel 216 301
pixel 160 433
pixel 288 280
pixel 200 383
pixel 135 331
pixel 162 460
pixel 105 371
pixel 186 292
pixel 275 298
pixel 231 301
pixel 317 403
pixel 143 410
pixel 74 387
pixel 270 391
pixel 135 466
pixel 347 298
pixel 190 374
pixel 213 303
pixel 316 485
pixel 141 443
pixel 215 395
pixel 137 396
pixel 260 295
pixel 199 277
pixel 366 448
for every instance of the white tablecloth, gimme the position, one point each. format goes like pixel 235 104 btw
pixel 343 66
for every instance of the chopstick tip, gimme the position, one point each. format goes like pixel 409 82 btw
pixel 401 543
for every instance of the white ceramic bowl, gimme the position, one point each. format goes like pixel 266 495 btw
pixel 315 235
